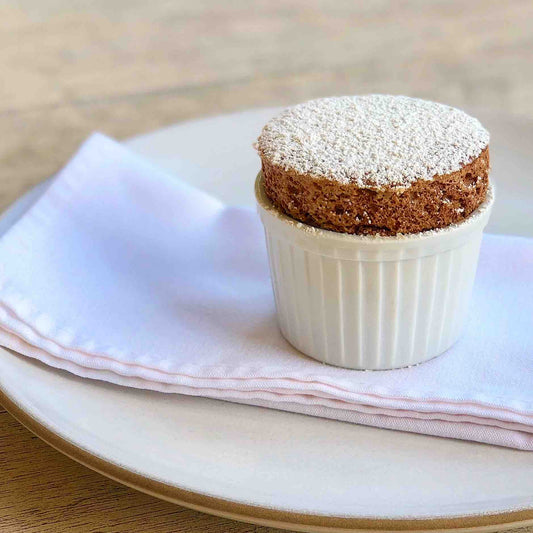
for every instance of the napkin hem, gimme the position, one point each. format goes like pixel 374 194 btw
pixel 58 350
pixel 464 427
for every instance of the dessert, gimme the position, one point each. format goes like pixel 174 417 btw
pixel 373 208
pixel 375 164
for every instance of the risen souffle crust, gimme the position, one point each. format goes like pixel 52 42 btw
pixel 375 164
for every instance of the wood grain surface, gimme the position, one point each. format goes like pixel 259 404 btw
pixel 125 67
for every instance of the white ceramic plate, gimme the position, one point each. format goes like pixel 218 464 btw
pixel 267 466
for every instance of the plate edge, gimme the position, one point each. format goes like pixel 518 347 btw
pixel 257 514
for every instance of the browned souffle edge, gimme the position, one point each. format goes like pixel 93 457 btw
pixel 346 208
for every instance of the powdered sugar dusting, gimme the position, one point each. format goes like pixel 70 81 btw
pixel 373 140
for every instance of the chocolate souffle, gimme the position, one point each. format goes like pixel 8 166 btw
pixel 375 164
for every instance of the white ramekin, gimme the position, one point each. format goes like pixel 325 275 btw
pixel 368 302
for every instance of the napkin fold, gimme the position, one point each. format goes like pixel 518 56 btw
pixel 122 273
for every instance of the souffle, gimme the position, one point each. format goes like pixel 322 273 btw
pixel 375 164
pixel 374 208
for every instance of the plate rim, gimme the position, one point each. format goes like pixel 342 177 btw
pixel 255 514
pixel 245 512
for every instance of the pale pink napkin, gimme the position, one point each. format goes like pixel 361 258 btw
pixel 125 274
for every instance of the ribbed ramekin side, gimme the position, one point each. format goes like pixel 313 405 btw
pixel 370 304
pixel 371 315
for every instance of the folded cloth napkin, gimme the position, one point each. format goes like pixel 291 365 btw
pixel 122 273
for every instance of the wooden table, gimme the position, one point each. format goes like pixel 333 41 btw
pixel 128 66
